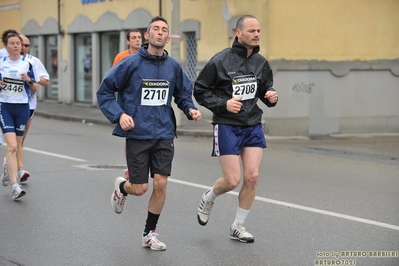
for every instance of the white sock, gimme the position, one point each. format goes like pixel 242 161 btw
pixel 241 214
pixel 211 196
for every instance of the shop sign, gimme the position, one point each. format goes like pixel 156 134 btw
pixel 91 1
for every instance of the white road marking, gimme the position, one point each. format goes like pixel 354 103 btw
pixel 281 203
pixel 55 155
pixel 299 207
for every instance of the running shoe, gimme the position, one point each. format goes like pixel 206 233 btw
pixel 17 192
pixel 238 232
pixel 5 178
pixel 117 198
pixel 23 175
pixel 151 240
pixel 204 209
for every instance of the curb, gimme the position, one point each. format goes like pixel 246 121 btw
pixel 207 133
pixel 179 131
pixel 72 118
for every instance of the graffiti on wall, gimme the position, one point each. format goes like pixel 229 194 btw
pixel 303 87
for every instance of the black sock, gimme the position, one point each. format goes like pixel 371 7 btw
pixel 151 223
pixel 121 188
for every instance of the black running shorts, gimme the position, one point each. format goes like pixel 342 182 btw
pixel 148 156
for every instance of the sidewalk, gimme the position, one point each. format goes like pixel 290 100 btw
pixel 203 128
pixel 87 114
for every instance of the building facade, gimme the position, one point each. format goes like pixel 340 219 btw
pixel 335 62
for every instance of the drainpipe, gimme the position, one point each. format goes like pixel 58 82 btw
pixel 175 43
pixel 60 31
pixel 61 66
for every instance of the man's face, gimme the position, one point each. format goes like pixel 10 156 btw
pixel 25 46
pixel 135 40
pixel 158 36
pixel 249 36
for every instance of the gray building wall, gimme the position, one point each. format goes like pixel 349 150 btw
pixel 322 98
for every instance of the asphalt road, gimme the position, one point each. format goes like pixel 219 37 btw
pixel 330 200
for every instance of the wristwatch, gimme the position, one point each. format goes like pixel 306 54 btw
pixel 30 82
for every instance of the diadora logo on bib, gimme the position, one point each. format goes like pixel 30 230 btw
pixel 244 79
pixel 91 1
pixel 155 84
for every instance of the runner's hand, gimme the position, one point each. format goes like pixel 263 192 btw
pixel 234 105
pixel 126 122
pixel 195 114
pixel 271 96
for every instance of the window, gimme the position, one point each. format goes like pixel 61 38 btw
pixel 83 68
pixel 51 64
pixel 109 49
pixel 191 55
pixel 34 46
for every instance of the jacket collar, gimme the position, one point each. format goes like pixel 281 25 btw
pixel 241 50
pixel 143 51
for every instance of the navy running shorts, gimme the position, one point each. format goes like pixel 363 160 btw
pixel 14 117
pixel 230 140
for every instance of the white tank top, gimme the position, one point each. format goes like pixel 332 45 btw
pixel 15 89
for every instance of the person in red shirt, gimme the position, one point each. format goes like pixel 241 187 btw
pixel 133 41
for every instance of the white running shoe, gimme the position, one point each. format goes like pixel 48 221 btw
pixel 117 198
pixel 238 232
pixel 23 175
pixel 5 179
pixel 17 192
pixel 204 209
pixel 151 240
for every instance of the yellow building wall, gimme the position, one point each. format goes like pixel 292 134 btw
pixel 38 10
pixel 121 8
pixel 214 28
pixel 9 18
pixel 333 30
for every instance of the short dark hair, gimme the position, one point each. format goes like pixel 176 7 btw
pixel 157 18
pixel 129 31
pixel 10 35
pixel 6 33
pixel 240 21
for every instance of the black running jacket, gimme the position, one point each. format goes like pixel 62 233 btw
pixel 215 83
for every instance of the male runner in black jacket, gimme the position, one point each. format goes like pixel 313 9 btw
pixel 230 85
